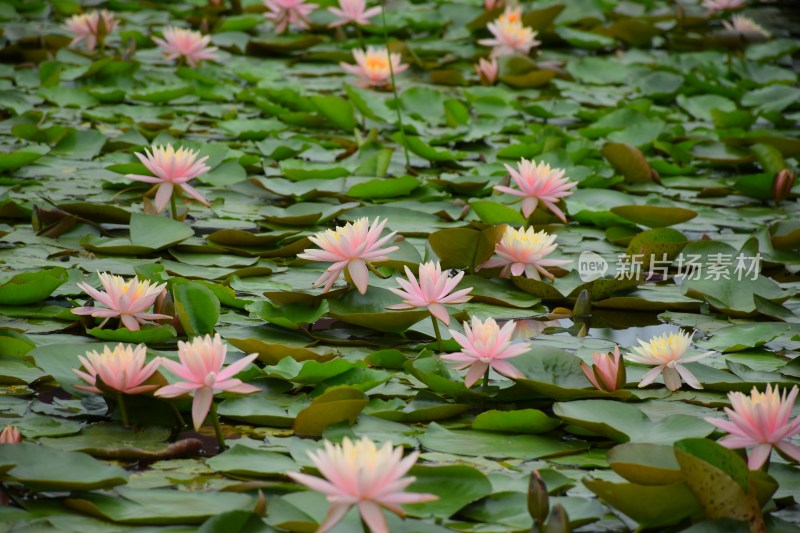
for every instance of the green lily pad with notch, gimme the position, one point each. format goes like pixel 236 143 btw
pixel 31 287
pixel 426 151
pixel 649 505
pixel 626 423
pixel 156 232
pixel 273 344
pixel 654 216
pixel 268 408
pixel 465 247
pixel 473 443
pixel 196 306
pixel 369 310
pixel 339 404
pixel 111 440
pixel 23 157
pixel 154 334
pixel 40 469
pixel 496 213
pixel 158 506
pixel 531 421
pixel 251 462
pixel 645 463
pixel 291 316
pixel 424 407
pixel 383 188
pixel 497 291
pixel 14 343
pixel 456 486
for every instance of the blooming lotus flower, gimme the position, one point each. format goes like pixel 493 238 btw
pixel 608 371
pixel 353 12
pixel 487 71
pixel 538 183
pixel 10 435
pixel 122 369
pixel 172 169
pixel 359 473
pixel 190 45
pixel 667 353
pixel 351 246
pixel 715 6
pixel 285 12
pixel 431 291
pixel 488 5
pixel 372 66
pixel 761 421
pixel 202 372
pixel 524 251
pixel 510 36
pixel 126 299
pixel 90 27
pixel 486 345
pixel 745 25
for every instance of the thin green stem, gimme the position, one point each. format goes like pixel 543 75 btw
pixel 123 411
pixel 360 35
pixel 485 389
pixel 438 333
pixel 174 206
pixel 178 415
pixel 217 427
pixel 394 87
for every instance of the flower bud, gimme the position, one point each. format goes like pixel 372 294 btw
pixel 559 521
pixel 782 185
pixel 538 500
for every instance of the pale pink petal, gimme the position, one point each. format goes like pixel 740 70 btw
pixel 201 405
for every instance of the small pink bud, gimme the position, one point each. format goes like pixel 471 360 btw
pixel 782 185
pixel 10 435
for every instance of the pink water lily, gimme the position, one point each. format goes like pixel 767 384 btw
pixel 538 183
pixel 173 169
pixel 284 13
pixel 350 247
pixel 128 300
pixel 192 46
pixel 486 345
pixel 361 474
pixel 608 371
pixel 91 28
pixel 353 12
pixel 745 25
pixel 487 70
pixel 509 35
pixel 372 66
pixel 667 353
pixel 122 369
pixel 525 252
pixel 433 291
pixel 10 435
pixel 761 421
pixel 202 372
